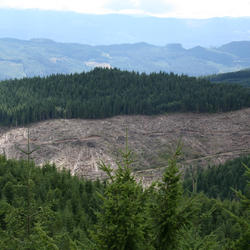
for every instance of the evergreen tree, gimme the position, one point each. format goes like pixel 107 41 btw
pixel 121 222
pixel 108 92
pixel 244 241
pixel 169 216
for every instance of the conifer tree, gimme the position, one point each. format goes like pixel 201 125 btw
pixel 167 214
pixel 244 241
pixel 121 221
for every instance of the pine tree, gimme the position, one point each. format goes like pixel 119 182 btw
pixel 121 220
pixel 244 242
pixel 168 214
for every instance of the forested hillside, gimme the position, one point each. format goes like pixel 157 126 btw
pixel 241 77
pixel 43 208
pixel 108 92
pixel 218 181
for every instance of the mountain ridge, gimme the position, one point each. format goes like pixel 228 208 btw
pixel 115 29
pixel 43 57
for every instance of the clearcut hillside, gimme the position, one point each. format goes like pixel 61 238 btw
pixel 79 144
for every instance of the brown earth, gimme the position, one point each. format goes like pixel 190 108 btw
pixel 79 145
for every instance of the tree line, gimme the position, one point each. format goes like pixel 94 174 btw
pixel 109 92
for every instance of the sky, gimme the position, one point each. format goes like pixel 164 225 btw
pixel 159 8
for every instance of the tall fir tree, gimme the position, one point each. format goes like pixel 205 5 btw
pixel 121 222
pixel 168 214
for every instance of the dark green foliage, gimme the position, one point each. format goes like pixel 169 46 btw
pixel 190 238
pixel 168 211
pixel 59 207
pixel 104 93
pixel 212 226
pixel 244 241
pixel 240 77
pixel 228 220
pixel 67 212
pixel 218 181
pixel 121 221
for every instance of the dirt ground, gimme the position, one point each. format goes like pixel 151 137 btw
pixel 79 144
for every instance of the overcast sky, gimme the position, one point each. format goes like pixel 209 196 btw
pixel 162 8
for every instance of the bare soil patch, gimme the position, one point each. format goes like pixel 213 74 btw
pixel 79 145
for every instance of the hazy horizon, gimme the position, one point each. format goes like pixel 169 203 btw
pixel 108 29
pixel 158 8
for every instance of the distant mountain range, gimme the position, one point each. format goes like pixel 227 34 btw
pixel 22 58
pixel 63 26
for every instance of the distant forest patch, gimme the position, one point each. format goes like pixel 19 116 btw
pixel 108 92
pixel 241 77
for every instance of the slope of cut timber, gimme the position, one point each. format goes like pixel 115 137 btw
pixel 79 145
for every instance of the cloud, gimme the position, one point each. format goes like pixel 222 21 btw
pixel 156 7
pixel 164 8
pixel 141 6
pixel 210 8
pixel 92 6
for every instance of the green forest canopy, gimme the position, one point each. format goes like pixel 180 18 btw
pixel 108 92
pixel 217 181
pixel 43 208
pixel 240 77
